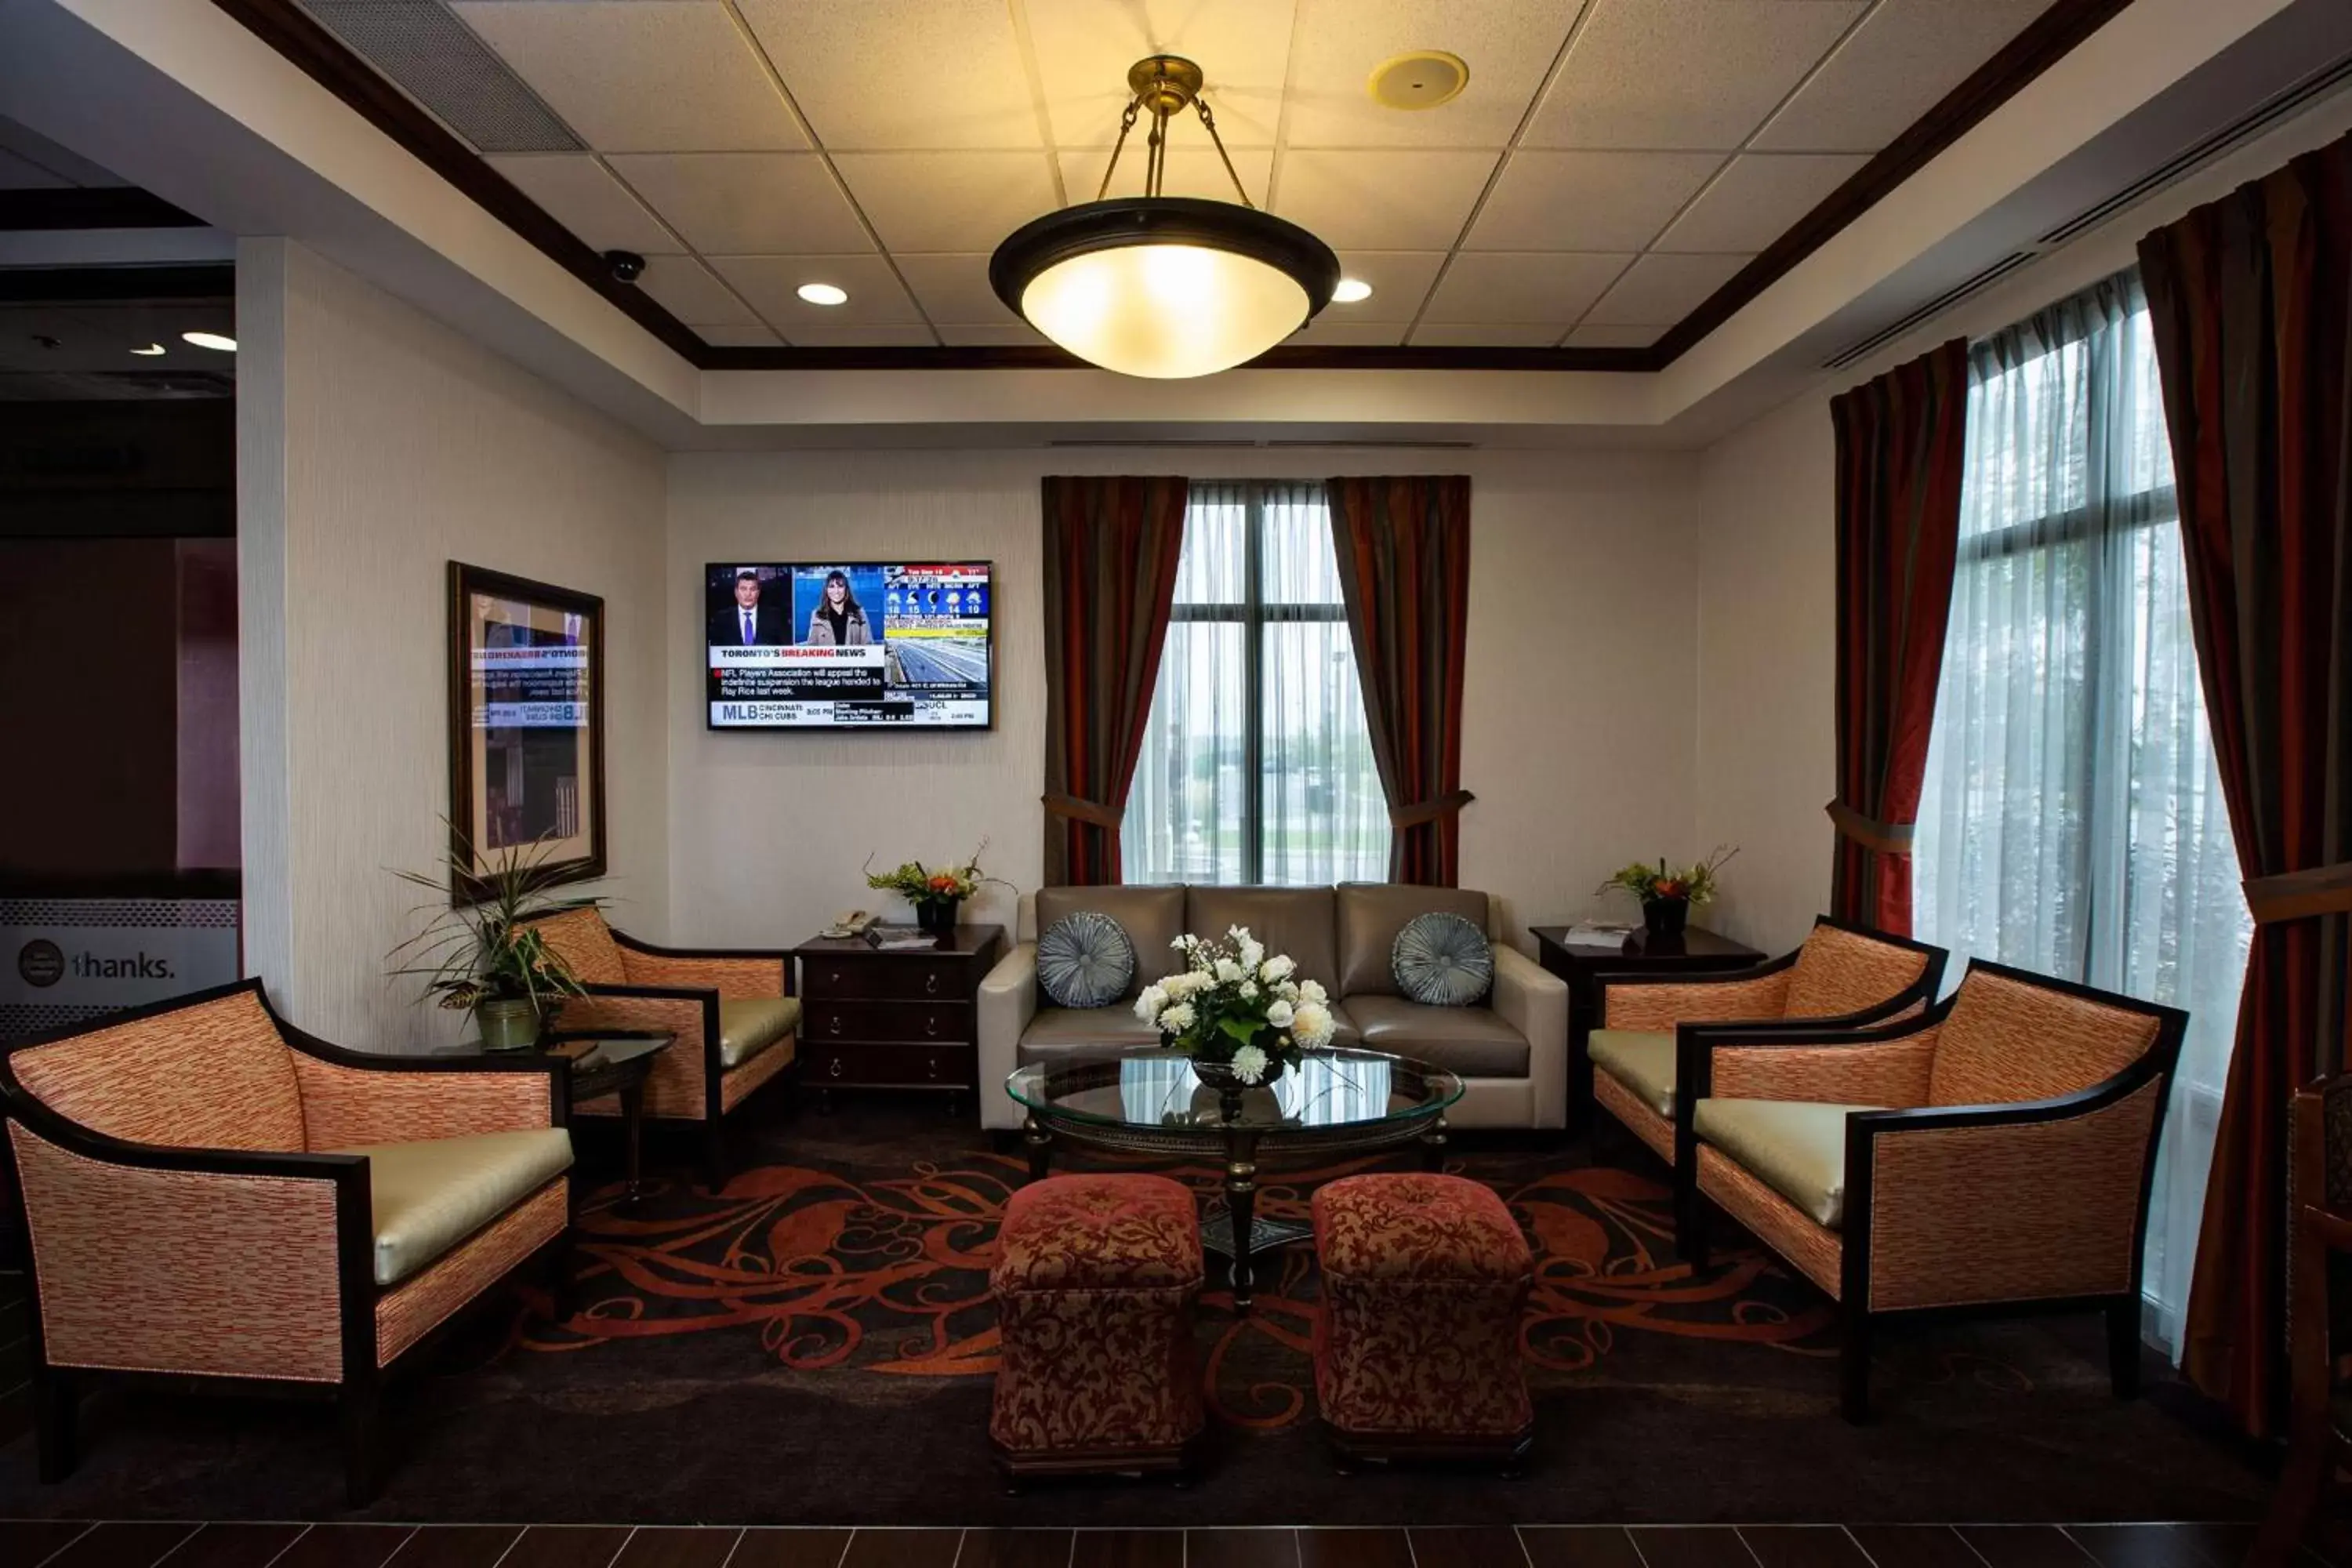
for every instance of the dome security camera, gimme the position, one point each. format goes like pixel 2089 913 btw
pixel 626 264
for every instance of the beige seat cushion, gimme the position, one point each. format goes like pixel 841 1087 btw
pixel 1370 915
pixel 1152 917
pixel 429 1196
pixel 749 1025
pixel 1795 1147
pixel 1472 1041
pixel 1640 1060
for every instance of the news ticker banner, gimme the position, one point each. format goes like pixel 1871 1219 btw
pixel 70 960
pixel 530 687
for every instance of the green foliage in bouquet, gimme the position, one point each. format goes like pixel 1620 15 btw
pixel 1233 1006
pixel 1695 882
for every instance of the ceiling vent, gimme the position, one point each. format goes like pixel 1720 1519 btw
pixel 428 53
pixel 2265 116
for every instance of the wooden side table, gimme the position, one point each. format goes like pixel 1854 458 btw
pixel 1696 952
pixel 900 1018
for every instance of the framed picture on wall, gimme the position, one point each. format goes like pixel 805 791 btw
pixel 526 727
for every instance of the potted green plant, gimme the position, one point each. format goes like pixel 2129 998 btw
pixel 937 895
pixel 1667 893
pixel 486 957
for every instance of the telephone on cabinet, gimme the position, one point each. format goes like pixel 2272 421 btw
pixel 849 922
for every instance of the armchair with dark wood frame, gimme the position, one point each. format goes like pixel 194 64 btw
pixel 168 1260
pixel 2010 1177
pixel 2319 1314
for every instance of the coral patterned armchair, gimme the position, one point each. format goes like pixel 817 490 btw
pixel 211 1194
pixel 1993 1152
pixel 2319 1317
pixel 736 1026
pixel 1844 976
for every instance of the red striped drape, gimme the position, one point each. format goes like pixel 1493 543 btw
pixel 1403 549
pixel 2252 302
pixel 1112 545
pixel 1901 440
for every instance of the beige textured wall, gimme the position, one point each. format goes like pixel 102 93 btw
pixel 1578 737
pixel 374 445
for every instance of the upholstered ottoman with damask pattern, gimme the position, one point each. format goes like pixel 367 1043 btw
pixel 1417 1339
pixel 1094 1283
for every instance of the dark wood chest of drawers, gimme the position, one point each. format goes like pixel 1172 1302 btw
pixel 872 1018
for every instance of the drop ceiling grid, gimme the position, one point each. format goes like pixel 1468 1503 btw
pixel 935 201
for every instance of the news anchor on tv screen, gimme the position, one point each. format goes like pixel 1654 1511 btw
pixel 748 623
pixel 838 620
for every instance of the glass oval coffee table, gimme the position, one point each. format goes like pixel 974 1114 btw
pixel 1150 1102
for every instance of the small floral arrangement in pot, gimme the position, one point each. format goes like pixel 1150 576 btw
pixel 936 894
pixel 1668 893
pixel 1243 1017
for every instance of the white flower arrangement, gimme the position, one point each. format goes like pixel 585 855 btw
pixel 1233 1006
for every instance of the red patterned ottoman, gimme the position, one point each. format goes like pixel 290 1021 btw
pixel 1417 1339
pixel 1094 1283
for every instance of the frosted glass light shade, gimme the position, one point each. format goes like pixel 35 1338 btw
pixel 1164 286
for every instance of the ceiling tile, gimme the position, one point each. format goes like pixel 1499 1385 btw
pixel 954 288
pixel 1597 336
pixel 1382 201
pixel 1588 201
pixel 1518 287
pixel 737 337
pixel 581 194
pixel 1084 48
pixel 1684 73
pixel 1328 331
pixel 1508 46
pixel 632 77
pixel 1663 288
pixel 1399 280
pixel 1891 69
pixel 992 334
pixel 865 337
pixel 948 201
pixel 1465 335
pixel 687 290
pixel 874 73
pixel 746 203
pixel 1756 199
pixel 1191 171
pixel 768 283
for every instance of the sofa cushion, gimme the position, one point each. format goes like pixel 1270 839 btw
pixel 1472 1041
pixel 1296 920
pixel 1839 972
pixel 748 1026
pixel 1066 1031
pixel 428 1197
pixel 1796 1148
pixel 1440 960
pixel 1085 959
pixel 1370 916
pixel 1152 917
pixel 1642 1060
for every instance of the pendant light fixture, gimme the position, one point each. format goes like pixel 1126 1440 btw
pixel 1161 286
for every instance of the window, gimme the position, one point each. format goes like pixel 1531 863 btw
pixel 2073 819
pixel 1257 763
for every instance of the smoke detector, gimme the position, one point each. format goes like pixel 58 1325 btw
pixel 1421 79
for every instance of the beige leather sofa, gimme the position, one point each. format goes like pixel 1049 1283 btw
pixel 1512 1051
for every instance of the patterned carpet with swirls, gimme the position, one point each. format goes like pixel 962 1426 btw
pixel 813 1344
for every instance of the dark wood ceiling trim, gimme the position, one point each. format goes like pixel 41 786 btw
pixel 2043 42
pixel 80 285
pixel 95 207
pixel 2048 38
pixel 287 28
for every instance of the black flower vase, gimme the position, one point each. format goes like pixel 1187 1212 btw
pixel 937 916
pixel 1665 917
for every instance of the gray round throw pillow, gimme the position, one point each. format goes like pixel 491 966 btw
pixel 1085 959
pixel 1442 961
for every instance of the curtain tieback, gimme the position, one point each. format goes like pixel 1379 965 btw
pixel 1881 837
pixel 1093 812
pixel 2301 895
pixel 1428 811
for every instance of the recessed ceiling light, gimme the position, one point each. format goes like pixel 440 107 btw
pixel 226 345
pixel 150 352
pixel 1350 291
pixel 1421 80
pixel 824 294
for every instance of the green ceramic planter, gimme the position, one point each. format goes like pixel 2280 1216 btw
pixel 507 1024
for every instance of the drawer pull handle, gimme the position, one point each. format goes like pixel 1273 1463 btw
pixel 931 1067
pixel 835 1070
pixel 834 978
pixel 931 1026
pixel 833 1024
pixel 931 984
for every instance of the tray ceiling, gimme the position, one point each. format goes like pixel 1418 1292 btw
pixel 1610 165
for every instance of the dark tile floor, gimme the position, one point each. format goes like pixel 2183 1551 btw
pixel 53 1544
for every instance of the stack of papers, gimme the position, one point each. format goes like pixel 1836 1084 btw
pixel 900 939
pixel 1596 933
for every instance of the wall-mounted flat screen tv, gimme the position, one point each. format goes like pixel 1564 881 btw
pixel 849 645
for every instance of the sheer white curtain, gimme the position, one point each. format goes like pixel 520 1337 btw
pixel 2072 820
pixel 1257 763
